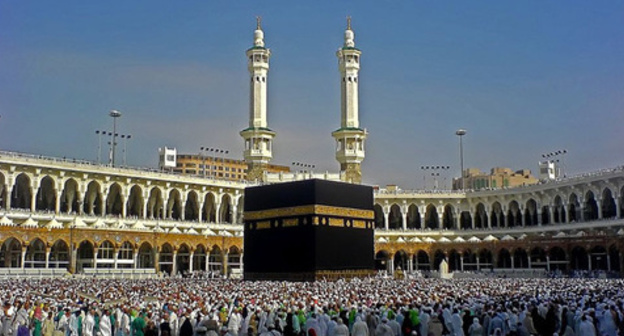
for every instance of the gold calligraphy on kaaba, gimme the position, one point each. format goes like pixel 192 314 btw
pixel 315 209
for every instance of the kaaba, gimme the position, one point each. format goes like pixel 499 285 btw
pixel 308 230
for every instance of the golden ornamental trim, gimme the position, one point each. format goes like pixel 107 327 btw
pixel 315 209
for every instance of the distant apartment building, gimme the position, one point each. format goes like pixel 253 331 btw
pixel 217 167
pixel 499 177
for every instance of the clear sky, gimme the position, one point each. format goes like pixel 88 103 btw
pixel 522 77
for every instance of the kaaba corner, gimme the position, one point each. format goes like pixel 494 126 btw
pixel 308 230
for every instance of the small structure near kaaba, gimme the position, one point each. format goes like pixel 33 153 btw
pixel 308 230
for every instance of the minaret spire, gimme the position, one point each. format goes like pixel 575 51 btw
pixel 258 137
pixel 349 137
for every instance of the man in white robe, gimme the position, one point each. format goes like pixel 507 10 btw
pixel 341 328
pixel 359 327
pixel 174 323
pixel 88 324
pixel 105 324
pixel 383 329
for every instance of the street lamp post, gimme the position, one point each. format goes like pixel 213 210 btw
pixel 461 132
pixel 303 166
pixel 125 137
pixel 114 114
pixel 435 173
pixel 99 134
pixel 213 159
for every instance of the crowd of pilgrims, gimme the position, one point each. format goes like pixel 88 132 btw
pixel 361 307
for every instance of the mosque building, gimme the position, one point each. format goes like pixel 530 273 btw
pixel 59 215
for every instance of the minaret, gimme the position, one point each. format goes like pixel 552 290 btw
pixel 258 137
pixel 349 137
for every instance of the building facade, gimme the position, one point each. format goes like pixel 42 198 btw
pixel 499 177
pixel 218 167
pixel 82 217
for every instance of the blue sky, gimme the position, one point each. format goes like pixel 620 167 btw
pixel 523 77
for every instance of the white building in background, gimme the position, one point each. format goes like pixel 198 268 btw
pixel 549 170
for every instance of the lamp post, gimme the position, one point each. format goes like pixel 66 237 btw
pixel 125 137
pixel 114 114
pixel 435 173
pixel 216 151
pixel 303 166
pixel 99 134
pixel 461 132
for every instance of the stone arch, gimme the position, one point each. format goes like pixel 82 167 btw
pixel 514 217
pixel 413 217
pixel 504 259
pixel 84 256
pixel 191 208
pixel 578 258
pixel 530 212
pixel 421 260
pixel 125 255
pixel 537 257
pixel 614 258
pixel 145 258
pixel 106 255
pixel 454 261
pixel 93 199
pixel 520 258
pixel 70 198
pixel 438 256
pixel 465 220
pixel 545 215
pixel 225 210
pixel 155 204
pixel 210 208
pixel 559 211
pixel 574 208
pixel 35 254
pixel 481 217
pixel 432 218
pixel 395 219
pixel 599 260
pixel 234 259
pixel 135 202
pixel 200 257
pixel 22 191
pixel 469 260
pixel 497 217
pixel 608 204
pixel 46 195
pixel 3 191
pixel 591 206
pixel 114 200
pixel 215 259
pixel 379 217
pixel 381 260
pixel 59 255
pixel 558 259
pixel 448 220
pixel 11 253
pixel 620 202
pixel 401 260
pixel 174 205
pixel 183 259
pixel 486 259
pixel 165 260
